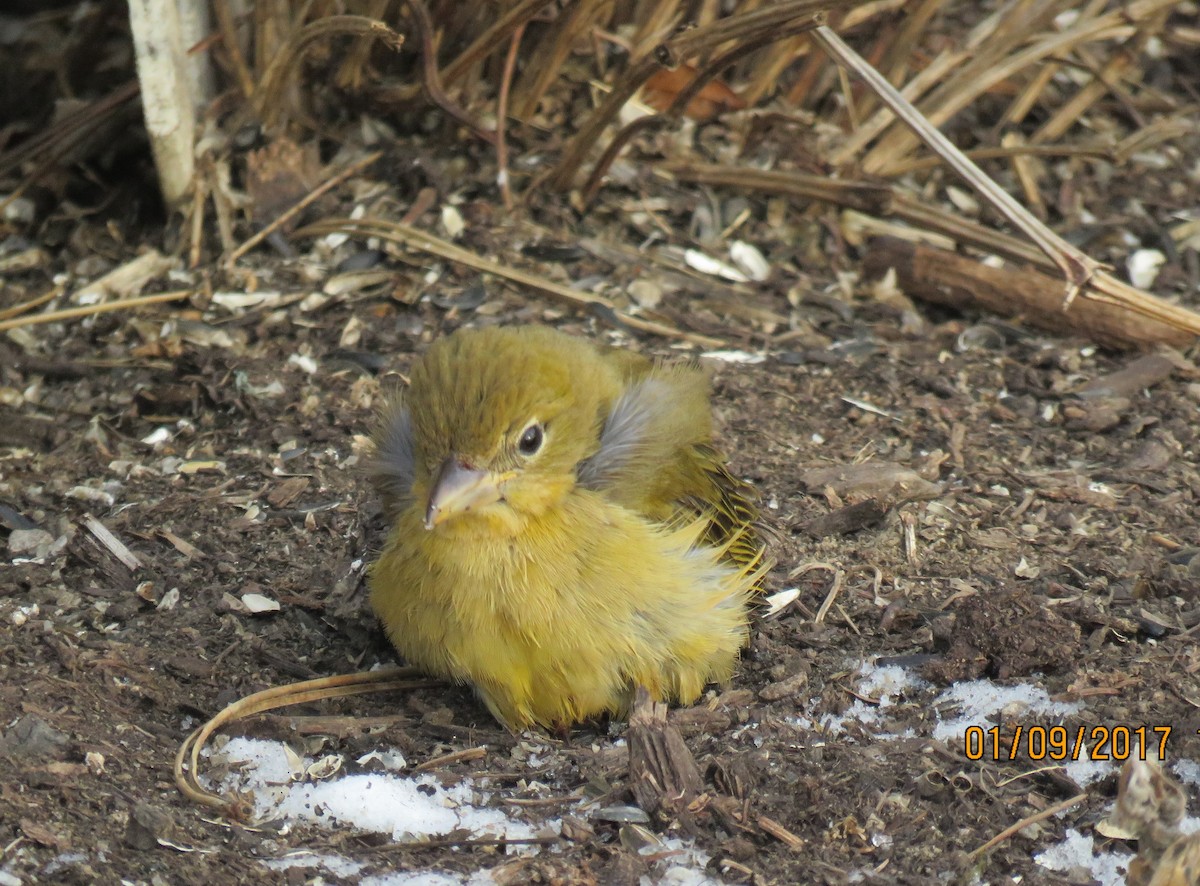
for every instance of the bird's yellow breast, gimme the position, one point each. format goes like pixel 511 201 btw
pixel 558 621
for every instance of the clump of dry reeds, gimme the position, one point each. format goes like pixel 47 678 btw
pixel 1031 74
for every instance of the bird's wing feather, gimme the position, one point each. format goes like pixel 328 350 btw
pixel 632 431
pixel 656 457
pixel 394 463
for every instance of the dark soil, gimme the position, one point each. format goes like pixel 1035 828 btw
pixel 1040 533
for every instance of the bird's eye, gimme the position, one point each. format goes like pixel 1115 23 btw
pixel 531 440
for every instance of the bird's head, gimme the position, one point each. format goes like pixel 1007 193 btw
pixel 500 420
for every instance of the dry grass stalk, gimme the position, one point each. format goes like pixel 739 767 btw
pixel 74 133
pixel 23 307
pixel 766 75
pixel 654 23
pixel 187 760
pixel 352 72
pixel 1105 79
pixel 777 21
pixel 280 73
pixel 869 198
pixel 492 38
pixel 674 112
pixel 1032 93
pixel 231 44
pixel 124 304
pixel 883 118
pixel 1014 149
pixel 1078 267
pixel 1084 274
pixel 895 62
pixel 884 201
pixel 1028 171
pixel 544 63
pixel 489 41
pixel 1000 59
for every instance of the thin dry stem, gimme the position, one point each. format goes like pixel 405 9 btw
pixel 308 199
pixel 900 53
pixel 881 200
pixel 1044 814
pixel 673 113
pixel 773 22
pixel 59 140
pixel 229 40
pixel 352 72
pixel 1078 267
pixel 281 70
pixel 510 63
pixel 187 759
pixel 486 43
pixel 545 63
pixel 986 71
pixel 107 307
pixel 17 310
pixel 883 118
pixel 767 72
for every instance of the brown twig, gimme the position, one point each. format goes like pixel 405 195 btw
pixel 944 277
pixel 1075 265
pixel 431 79
pixel 1026 822
pixel 308 199
pixel 268 96
pixel 187 759
pixel 89 310
pixel 781 19
pixel 510 64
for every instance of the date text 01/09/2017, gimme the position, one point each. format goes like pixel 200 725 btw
pixel 1063 743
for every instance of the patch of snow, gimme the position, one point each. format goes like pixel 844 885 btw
pixel 978 700
pixel 401 806
pixel 1078 851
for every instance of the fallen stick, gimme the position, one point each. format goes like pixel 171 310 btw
pixel 947 278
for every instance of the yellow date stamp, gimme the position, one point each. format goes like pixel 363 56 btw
pixel 1064 744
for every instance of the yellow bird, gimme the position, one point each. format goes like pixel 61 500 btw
pixel 562 529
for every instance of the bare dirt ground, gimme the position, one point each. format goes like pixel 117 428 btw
pixel 1048 532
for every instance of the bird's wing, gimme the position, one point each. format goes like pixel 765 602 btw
pixel 641 428
pixel 394 463
pixel 656 457
pixel 729 505
pixel 628 434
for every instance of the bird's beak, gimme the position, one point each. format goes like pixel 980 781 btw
pixel 458 488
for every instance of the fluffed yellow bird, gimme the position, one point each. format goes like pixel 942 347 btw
pixel 562 529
